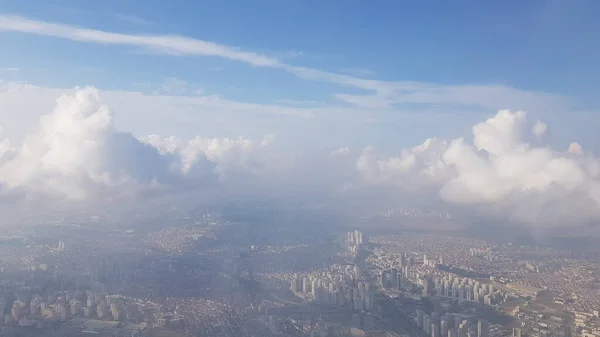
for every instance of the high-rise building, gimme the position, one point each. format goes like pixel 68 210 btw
pixel 305 285
pixel 427 324
pixel 483 328
pixel 369 321
pixel 383 278
pixel 295 284
pixel 394 278
pixel 463 329
pixel 419 318
pixel 457 321
pixel 444 328
pixel 402 260
pixel 273 324
pixel 435 330
pixel 369 299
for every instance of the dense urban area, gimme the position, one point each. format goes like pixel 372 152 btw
pixel 258 269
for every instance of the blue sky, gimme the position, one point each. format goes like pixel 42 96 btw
pixel 535 47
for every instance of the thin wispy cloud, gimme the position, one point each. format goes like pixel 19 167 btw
pixel 170 44
pixel 11 69
pixel 384 94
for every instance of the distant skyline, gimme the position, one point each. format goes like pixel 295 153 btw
pixel 253 88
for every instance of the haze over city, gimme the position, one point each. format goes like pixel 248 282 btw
pixel 340 163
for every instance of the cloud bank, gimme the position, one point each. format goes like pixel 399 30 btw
pixel 76 153
pixel 504 168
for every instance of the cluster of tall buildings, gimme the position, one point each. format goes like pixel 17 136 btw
pixel 388 261
pixel 448 325
pixel 390 278
pixel 61 245
pixel 41 311
pixel 536 267
pixel 482 252
pixel 354 241
pixel 363 320
pixel 431 262
pixel 444 285
pixel 339 285
pixel 467 289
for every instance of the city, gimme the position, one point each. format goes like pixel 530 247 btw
pixel 299 168
pixel 208 275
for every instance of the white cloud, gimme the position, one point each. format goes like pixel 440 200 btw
pixel 5 148
pixel 413 168
pixel 383 94
pixel 76 153
pixel 164 43
pixel 228 155
pixel 11 69
pixel 78 148
pixel 67 151
pixel 500 171
pixel 141 114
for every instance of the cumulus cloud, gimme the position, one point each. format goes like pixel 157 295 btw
pixel 504 168
pixel 69 142
pixel 413 168
pixel 75 152
pixel 228 155
pixel 499 171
